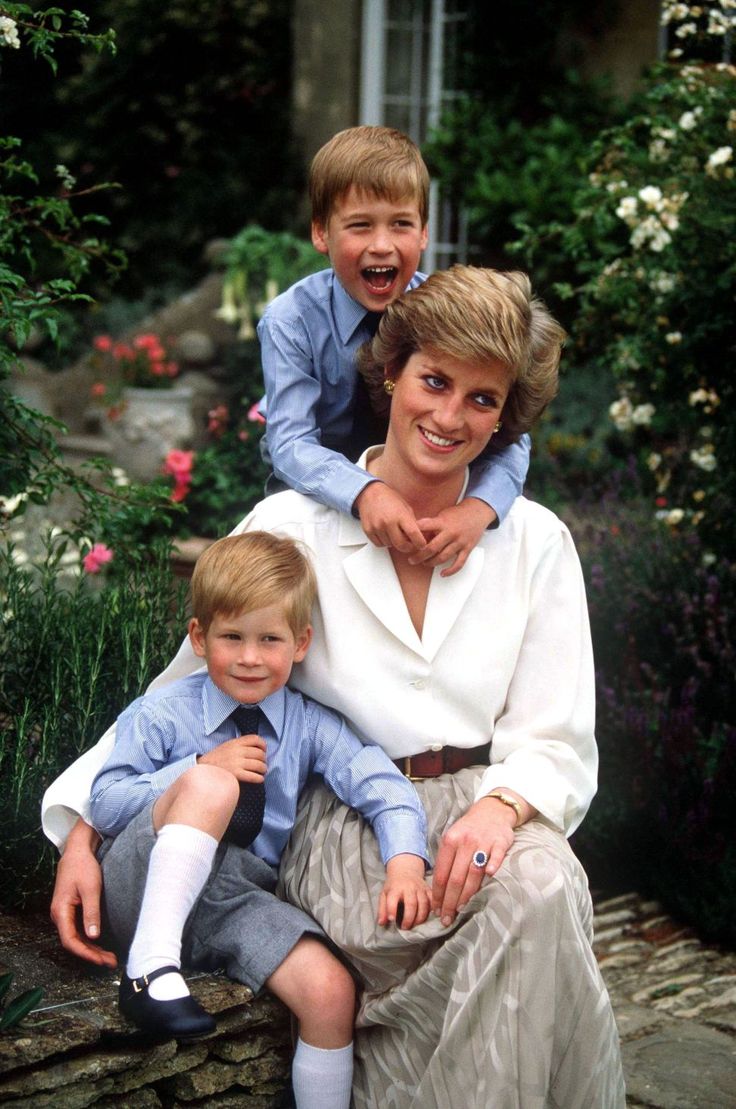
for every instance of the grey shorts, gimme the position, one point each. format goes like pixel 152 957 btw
pixel 237 924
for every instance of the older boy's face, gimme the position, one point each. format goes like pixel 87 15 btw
pixel 374 246
pixel 251 654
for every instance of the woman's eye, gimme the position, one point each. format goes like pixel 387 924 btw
pixel 484 401
pixel 434 382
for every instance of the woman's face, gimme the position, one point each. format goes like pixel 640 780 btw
pixel 444 411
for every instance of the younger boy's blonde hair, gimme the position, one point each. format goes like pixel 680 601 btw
pixel 254 570
pixel 377 160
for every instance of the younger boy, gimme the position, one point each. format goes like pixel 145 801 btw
pixel 170 788
pixel 369 191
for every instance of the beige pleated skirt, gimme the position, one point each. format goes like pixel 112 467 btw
pixel 505 1009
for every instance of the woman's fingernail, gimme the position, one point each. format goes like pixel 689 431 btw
pixel 446 920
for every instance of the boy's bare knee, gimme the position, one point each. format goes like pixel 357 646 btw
pixel 203 779
pixel 320 992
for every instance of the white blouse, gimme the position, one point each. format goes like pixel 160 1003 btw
pixel 505 655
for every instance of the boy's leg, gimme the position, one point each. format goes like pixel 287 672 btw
pixel 189 819
pixel 320 992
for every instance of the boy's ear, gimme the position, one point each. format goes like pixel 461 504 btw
pixel 302 643
pixel 319 237
pixel 425 237
pixel 196 637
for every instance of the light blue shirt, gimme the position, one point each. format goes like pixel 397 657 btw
pixel 160 735
pixel 309 337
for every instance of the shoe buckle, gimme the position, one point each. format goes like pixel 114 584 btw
pixel 136 987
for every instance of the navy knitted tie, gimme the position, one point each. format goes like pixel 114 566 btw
pixel 247 819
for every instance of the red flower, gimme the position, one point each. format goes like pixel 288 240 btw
pixel 96 558
pixel 98 389
pixel 102 343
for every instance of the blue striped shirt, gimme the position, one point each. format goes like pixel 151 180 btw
pixel 309 337
pixel 159 736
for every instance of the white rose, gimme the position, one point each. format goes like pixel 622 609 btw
pixel 9 32
pixel 642 414
pixel 651 196
pixel 621 412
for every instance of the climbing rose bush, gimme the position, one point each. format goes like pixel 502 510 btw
pixel 654 243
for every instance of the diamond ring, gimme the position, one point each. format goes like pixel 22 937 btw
pixel 480 859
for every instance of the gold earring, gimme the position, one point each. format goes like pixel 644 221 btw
pixel 388 386
pixel 497 427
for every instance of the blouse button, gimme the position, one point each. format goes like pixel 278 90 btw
pixel 419 683
pixel 436 747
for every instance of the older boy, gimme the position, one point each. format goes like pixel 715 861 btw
pixel 168 792
pixel 369 190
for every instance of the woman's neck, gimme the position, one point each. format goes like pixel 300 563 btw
pixel 426 498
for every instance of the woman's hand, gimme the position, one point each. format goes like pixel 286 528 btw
pixel 405 895
pixel 488 826
pixel 79 885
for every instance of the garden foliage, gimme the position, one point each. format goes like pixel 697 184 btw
pixel 191 118
pixel 71 657
pixel 663 619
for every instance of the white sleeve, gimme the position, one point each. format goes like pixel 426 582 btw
pixel 543 744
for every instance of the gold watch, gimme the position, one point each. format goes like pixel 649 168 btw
pixel 507 799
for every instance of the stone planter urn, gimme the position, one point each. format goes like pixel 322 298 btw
pixel 149 424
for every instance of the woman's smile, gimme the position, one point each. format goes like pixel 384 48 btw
pixel 443 413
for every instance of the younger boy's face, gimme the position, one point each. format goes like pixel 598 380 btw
pixel 251 654
pixel 373 244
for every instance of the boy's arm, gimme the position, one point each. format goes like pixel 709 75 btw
pixel 136 772
pixel 294 441
pixel 365 778
pixel 498 477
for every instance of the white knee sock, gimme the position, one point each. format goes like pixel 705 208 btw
pixel 179 866
pixel 322 1078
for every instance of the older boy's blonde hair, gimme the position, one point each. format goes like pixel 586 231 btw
pixel 477 315
pixel 377 160
pixel 254 570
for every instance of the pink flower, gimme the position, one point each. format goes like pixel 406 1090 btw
pixel 179 464
pixel 254 415
pixel 96 558
pixel 103 343
pixel 217 419
pixel 180 490
pixel 97 390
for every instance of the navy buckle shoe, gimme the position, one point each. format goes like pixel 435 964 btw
pixel 181 1019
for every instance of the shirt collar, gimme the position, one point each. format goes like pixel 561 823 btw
pixel 349 315
pixel 217 706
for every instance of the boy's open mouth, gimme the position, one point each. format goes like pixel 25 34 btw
pixel 380 277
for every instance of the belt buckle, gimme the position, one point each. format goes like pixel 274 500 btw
pixel 407 770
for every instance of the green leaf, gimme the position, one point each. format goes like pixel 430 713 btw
pixel 20 1007
pixel 5 982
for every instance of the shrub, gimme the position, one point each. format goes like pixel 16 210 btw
pixel 71 657
pixel 653 239
pixel 663 616
pixel 204 89
pixel 511 168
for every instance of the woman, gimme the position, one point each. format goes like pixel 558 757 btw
pixel 481 686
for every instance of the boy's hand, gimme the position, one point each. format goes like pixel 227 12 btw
pixel 387 519
pixel 244 756
pixel 405 897
pixel 456 531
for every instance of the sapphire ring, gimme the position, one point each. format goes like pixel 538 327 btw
pixel 480 859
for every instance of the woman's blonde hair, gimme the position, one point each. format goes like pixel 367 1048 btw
pixel 477 315
pixel 254 570
pixel 376 160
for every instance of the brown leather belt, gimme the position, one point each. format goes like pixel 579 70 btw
pixel 430 764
